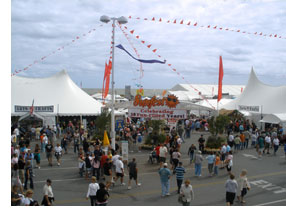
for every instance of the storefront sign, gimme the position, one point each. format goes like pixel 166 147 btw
pixel 248 108
pixel 19 108
pixel 171 101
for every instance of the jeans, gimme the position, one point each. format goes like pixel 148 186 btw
pixel 191 156
pixel 210 167
pixel 246 143
pixel 179 184
pixel 216 170
pixel 198 168
pixel 97 171
pixel 92 200
pixel 76 147
pixel 31 182
pixel 165 187
pixel 275 148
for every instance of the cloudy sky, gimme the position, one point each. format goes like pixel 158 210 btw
pixel 40 27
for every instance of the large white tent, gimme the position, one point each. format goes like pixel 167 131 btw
pixel 260 98
pixel 58 93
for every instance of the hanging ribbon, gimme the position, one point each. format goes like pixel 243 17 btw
pixel 140 60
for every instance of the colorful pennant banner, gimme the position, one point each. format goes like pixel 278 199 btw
pixel 55 51
pixel 195 24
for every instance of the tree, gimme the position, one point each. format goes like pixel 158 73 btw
pixel 102 122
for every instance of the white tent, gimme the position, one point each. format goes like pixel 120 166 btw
pixel 274 118
pixel 55 95
pixel 258 98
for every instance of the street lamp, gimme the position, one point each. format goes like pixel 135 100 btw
pixel 121 20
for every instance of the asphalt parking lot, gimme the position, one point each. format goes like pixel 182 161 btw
pixel 267 178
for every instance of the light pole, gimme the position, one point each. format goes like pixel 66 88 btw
pixel 121 20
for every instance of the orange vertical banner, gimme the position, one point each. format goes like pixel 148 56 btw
pixel 219 96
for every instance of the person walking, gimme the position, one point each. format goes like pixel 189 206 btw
pixel 175 159
pixel 267 143
pixel 64 143
pixel 119 169
pixel 231 189
pixel 133 171
pixel 37 156
pixel 93 187
pixel 49 150
pixel 48 194
pixel 276 144
pixel 201 143
pixel 198 163
pixel 163 151
pixel 244 186
pixel 58 153
pixel 191 152
pixel 102 195
pixel 211 159
pixel 28 175
pixel 217 162
pixel 165 175
pixel 180 170
pixel 15 196
pixel 260 146
pixel 187 193
pixel 107 170
pixel 229 162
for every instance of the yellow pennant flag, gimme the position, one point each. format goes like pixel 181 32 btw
pixel 105 139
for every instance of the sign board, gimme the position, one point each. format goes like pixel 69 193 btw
pixel 157 113
pixel 119 125
pixel 249 108
pixel 124 148
pixel 19 108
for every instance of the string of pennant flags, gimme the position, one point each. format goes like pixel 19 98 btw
pixel 154 50
pixel 59 49
pixel 216 27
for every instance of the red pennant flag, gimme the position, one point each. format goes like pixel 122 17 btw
pixel 145 19
pixel 209 26
pixel 270 35
pixel 255 33
pixel 243 32
pixel 220 28
pixel 153 19
pixel 137 37
pixel 138 18
pixel 26 68
pixel 154 50
pixel 168 21
pixel 132 31
pixel 260 34
pixel 189 23
pixel 125 27
pixel 169 64
pixel 159 56
pixel 129 17
pixel 195 24
pixel 149 46
pixel 241 90
pixel 275 35
pixel 160 20
pixel 238 31
pixel 143 42
pixel 174 69
pixel 215 27
pixel 77 37
pixel 182 22
pixel 175 21
pixel 73 40
pixel 226 29
pixel 219 96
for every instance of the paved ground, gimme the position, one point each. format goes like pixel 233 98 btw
pixel 267 177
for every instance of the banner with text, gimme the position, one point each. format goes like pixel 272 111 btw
pixel 249 108
pixel 157 113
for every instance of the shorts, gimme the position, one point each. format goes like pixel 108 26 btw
pixel 228 168
pixel 119 175
pixel 162 159
pixel 243 192
pixel 222 157
pixel 49 154
pixel 134 176
pixel 108 178
pixel 230 197
pixel 260 149
pixel 267 145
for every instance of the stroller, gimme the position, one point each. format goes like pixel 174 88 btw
pixel 152 157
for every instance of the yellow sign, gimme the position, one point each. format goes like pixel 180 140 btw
pixel 140 92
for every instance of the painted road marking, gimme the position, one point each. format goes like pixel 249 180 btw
pixel 272 202
pixel 250 155
pixel 268 186
pixel 157 191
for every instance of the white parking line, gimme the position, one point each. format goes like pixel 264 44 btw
pixel 60 180
pixel 272 202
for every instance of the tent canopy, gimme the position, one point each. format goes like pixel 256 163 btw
pixel 274 118
pixel 269 99
pixel 58 91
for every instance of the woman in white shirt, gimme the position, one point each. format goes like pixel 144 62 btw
pixel 92 189
pixel 58 153
pixel 187 193
pixel 28 200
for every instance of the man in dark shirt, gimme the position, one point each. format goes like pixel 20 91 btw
pixel 107 166
pixel 49 149
pixel 133 170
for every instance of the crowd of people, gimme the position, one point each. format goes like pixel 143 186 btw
pixel 104 165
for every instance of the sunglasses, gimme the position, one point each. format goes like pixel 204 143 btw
pixel 170 99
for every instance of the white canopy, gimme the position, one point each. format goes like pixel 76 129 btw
pixel 274 118
pixel 269 99
pixel 58 91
